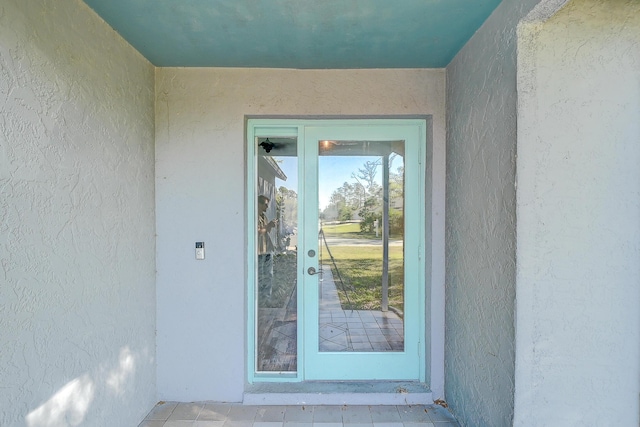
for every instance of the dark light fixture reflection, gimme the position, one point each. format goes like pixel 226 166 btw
pixel 267 145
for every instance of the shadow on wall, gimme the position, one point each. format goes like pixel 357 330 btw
pixel 71 403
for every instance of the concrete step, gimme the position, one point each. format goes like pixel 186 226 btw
pixel 338 393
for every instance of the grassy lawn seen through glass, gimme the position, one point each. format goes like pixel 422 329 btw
pixel 360 268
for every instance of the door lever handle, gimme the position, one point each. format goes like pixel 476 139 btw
pixel 312 271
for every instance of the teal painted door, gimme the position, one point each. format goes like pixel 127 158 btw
pixel 358 253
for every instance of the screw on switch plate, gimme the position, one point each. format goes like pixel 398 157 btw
pixel 199 250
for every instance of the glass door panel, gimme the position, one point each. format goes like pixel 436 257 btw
pixel 276 255
pixel 361 245
pixel 362 313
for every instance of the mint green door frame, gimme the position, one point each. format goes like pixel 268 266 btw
pixel 408 364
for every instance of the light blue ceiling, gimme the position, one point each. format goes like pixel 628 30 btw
pixel 296 33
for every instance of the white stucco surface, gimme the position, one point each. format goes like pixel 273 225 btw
pixel 578 270
pixel 77 298
pixel 200 182
pixel 481 221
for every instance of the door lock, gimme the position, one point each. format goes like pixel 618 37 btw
pixel 312 271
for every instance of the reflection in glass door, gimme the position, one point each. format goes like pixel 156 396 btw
pixel 361 230
pixel 276 257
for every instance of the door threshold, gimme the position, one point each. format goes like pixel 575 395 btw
pixel 338 393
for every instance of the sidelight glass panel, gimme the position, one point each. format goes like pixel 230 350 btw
pixel 276 255
pixel 361 239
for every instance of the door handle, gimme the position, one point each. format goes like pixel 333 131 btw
pixel 312 271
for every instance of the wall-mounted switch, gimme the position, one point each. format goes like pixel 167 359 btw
pixel 199 250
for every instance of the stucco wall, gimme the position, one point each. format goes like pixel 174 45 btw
pixel 200 173
pixel 77 299
pixel 481 221
pixel 578 311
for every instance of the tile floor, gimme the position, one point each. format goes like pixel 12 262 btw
pixel 340 330
pixel 209 414
pixel 355 330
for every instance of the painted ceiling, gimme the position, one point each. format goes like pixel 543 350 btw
pixel 307 34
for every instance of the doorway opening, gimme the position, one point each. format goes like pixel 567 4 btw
pixel 336 276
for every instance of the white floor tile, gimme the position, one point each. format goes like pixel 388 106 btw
pixel 208 423
pixel 268 424
pixel 178 423
pixel 327 425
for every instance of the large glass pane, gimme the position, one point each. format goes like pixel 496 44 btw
pixel 276 255
pixel 361 234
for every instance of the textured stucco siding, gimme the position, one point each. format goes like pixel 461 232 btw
pixel 201 197
pixel 77 298
pixel 481 222
pixel 578 309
